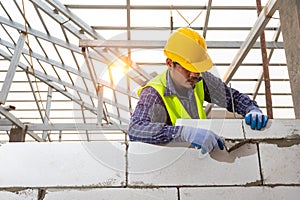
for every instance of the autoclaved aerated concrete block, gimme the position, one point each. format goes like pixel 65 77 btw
pixel 113 194
pixel 227 128
pixel 62 164
pixel 280 164
pixel 275 129
pixel 151 165
pixel 237 193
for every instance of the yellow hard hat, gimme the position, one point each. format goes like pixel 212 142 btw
pixel 188 48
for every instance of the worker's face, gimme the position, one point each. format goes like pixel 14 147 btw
pixel 183 77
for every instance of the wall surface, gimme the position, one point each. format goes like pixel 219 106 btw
pixel 261 164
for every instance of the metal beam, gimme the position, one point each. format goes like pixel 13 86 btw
pixel 159 44
pixel 12 68
pixel 76 126
pixel 91 70
pixel 5 125
pixel 158 7
pixel 100 104
pixel 221 64
pixel 11 117
pixel 265 62
pixel 167 28
pixel 5 122
pixel 270 53
pixel 47 112
pixel 207 18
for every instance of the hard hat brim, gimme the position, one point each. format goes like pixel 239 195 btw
pixel 196 67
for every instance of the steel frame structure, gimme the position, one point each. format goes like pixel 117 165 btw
pixel 81 93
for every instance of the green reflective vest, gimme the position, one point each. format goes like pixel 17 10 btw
pixel 174 107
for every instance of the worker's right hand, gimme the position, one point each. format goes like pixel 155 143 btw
pixel 202 138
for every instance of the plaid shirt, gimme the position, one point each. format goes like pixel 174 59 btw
pixel 151 123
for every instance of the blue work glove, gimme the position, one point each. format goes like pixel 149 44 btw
pixel 256 119
pixel 202 138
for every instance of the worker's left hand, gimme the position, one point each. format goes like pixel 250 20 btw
pixel 256 119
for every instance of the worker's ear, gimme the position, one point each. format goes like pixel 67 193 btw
pixel 169 63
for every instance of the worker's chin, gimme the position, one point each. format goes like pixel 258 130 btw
pixel 189 85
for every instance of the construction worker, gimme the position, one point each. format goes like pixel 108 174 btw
pixel 179 92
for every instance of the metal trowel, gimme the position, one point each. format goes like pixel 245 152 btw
pixel 235 146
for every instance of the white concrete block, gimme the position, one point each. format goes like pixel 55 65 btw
pixel 163 165
pixel 113 194
pixel 28 194
pixel 227 128
pixel 280 165
pixel 62 164
pixel 275 129
pixel 237 193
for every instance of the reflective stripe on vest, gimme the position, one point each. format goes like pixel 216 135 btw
pixel 174 107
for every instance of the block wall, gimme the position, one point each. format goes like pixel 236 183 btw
pixel 261 164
